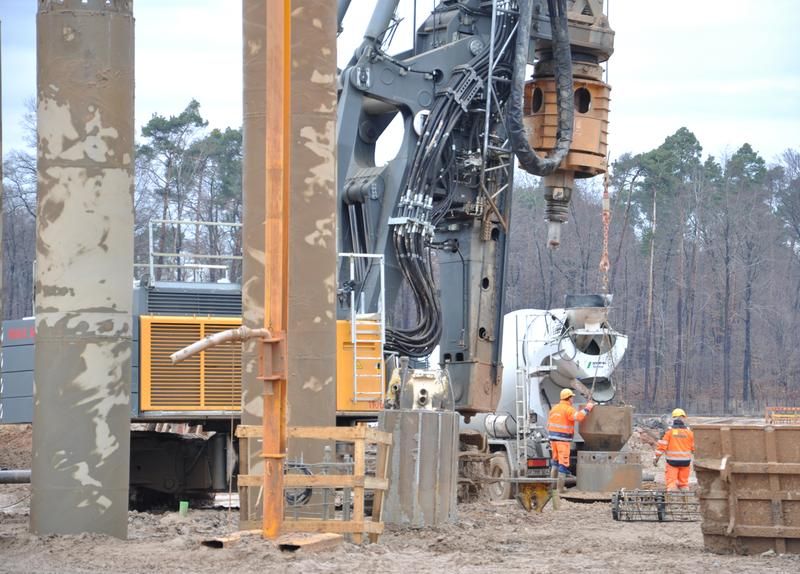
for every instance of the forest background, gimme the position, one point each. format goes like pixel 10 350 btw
pixel 704 253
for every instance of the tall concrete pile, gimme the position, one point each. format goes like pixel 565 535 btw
pixel 84 254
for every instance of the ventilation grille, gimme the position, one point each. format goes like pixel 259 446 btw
pixel 226 303
pixel 209 381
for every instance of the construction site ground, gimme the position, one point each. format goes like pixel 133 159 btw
pixel 488 537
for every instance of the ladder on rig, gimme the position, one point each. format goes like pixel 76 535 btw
pixel 523 419
pixel 522 387
pixel 367 330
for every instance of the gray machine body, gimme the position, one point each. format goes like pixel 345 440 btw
pixel 458 214
pixel 375 89
pixel 163 465
pixel 174 299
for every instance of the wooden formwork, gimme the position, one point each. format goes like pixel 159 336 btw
pixel 749 477
pixel 359 481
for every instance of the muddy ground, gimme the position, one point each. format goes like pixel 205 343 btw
pixel 486 538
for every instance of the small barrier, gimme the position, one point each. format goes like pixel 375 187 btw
pixel 782 416
pixel 749 477
pixel 655 505
pixel 356 524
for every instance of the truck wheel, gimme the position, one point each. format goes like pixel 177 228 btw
pixel 498 468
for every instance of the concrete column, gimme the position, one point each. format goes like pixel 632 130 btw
pixel 84 251
pixel 312 229
pixel 254 191
pixel 1 187
pixel 311 328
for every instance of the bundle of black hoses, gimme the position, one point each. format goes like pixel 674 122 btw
pixel 432 168
pixel 435 154
pixel 562 61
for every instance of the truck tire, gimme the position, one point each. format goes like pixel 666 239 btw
pixel 498 468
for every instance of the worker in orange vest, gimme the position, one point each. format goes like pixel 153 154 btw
pixel 677 445
pixel 561 428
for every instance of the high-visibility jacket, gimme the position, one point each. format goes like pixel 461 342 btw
pixel 677 445
pixel 561 422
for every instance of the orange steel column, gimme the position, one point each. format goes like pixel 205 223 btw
pixel 273 354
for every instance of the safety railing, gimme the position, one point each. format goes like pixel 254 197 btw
pixel 188 264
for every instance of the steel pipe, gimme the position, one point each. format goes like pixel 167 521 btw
pixel 229 335
pixel 15 476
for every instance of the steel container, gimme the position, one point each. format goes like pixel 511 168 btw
pixel 749 477
pixel 423 473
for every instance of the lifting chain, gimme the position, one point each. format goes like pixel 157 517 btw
pixel 604 262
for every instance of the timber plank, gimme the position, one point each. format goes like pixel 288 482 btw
pixel 381 468
pixel 360 468
pixel 249 431
pixel 250 479
pixel 230 540
pixel 338 526
pixel 309 542
pixel 755 495
pixel 752 531
pixel 335 481
pixel 378 437
pixel 749 467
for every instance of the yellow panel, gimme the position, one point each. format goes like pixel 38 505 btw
pixel 209 381
pixel 368 368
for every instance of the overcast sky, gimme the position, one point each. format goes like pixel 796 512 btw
pixel 727 69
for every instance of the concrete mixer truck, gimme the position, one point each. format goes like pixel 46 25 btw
pixel 545 351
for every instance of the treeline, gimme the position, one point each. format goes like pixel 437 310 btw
pixel 704 253
pixel 184 172
pixel 705 273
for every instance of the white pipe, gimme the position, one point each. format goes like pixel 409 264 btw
pixel 231 335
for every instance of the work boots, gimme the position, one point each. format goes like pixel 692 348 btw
pixel 559 473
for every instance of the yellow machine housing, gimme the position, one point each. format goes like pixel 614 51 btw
pixel 359 367
pixel 209 381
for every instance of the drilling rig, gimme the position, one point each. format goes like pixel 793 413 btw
pixel 431 226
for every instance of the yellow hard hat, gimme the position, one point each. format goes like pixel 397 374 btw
pixel 678 413
pixel 566 393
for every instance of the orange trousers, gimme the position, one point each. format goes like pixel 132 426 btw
pixel 677 476
pixel 560 450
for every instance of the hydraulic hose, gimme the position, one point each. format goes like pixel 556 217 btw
pixel 432 170
pixel 341 12
pixel 528 159
pixel 381 18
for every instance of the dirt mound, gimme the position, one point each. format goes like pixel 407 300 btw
pixel 642 440
pixel 16 442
